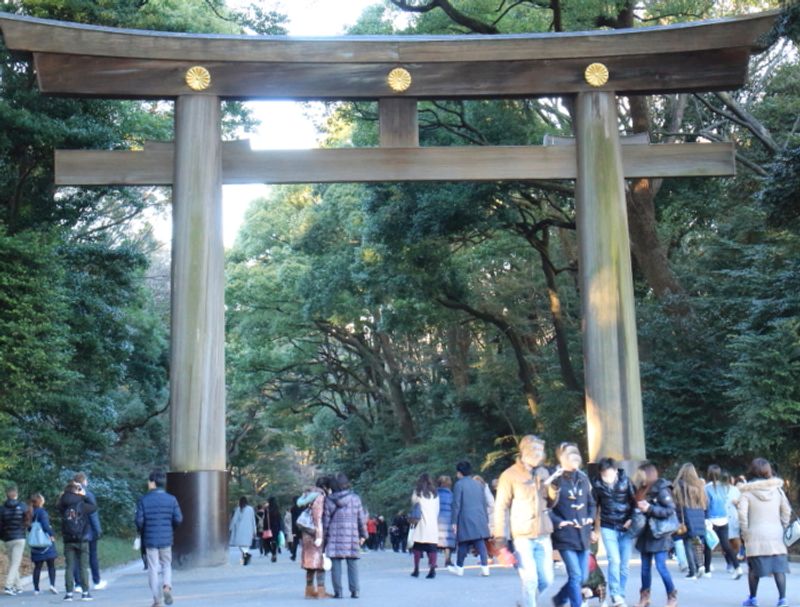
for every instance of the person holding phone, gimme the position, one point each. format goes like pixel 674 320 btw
pixel 572 514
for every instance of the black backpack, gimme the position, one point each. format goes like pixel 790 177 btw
pixel 74 523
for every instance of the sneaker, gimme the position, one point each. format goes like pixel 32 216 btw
pixel 618 601
pixel 737 573
pixel 53 590
pixel 68 597
pixel 36 593
pixel 707 574
pixel 101 585
pixel 484 571
pixel 167 595
pixel 85 596
pixel 700 571
pixel 455 570
pixel 9 591
pixel 750 602
pixel 783 603
pixel 78 589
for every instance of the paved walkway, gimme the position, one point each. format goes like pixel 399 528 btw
pixel 385 582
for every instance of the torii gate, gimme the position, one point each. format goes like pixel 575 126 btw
pixel 197 71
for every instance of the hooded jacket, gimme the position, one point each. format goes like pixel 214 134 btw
pixel 87 507
pixel 764 511
pixel 615 501
pixel 573 503
pixel 344 523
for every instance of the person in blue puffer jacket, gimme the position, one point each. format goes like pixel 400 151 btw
pixel 157 515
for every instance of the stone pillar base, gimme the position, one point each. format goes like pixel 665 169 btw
pixel 202 539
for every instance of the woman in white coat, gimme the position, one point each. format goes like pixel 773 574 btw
pixel 425 534
pixel 243 529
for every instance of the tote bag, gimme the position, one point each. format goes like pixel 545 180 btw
pixel 37 538
pixel 305 522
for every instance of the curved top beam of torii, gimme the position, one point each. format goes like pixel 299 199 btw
pixel 75 59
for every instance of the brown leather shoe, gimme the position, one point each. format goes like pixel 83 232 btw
pixel 311 592
pixel 644 598
pixel 672 599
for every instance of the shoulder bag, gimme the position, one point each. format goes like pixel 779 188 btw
pixel 791 533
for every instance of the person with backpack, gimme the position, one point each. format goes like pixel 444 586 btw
pixel 75 508
pixel 95 531
pixel 14 517
pixel 157 515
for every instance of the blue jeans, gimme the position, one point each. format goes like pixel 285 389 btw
pixel 661 566
pixel 577 564
pixel 535 566
pixel 618 548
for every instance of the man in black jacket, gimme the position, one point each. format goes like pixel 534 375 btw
pixel 614 494
pixel 13 521
pixel 75 509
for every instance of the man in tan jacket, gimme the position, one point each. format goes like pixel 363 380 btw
pixel 521 508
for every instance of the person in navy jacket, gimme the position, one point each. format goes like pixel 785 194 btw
pixel 48 554
pixel 572 513
pixel 93 531
pixel 157 515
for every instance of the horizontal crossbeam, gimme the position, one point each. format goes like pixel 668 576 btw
pixel 73 59
pixel 475 163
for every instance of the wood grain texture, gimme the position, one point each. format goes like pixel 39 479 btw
pixel 515 163
pixel 47 36
pixel 197 339
pixel 610 351
pixel 398 122
pixel 132 78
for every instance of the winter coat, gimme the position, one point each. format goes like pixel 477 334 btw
pixel 521 504
pixel 12 520
pixel 287 527
pixel 447 539
pixel 95 531
pixel 243 527
pixel 469 510
pixel 691 504
pixel 157 515
pixel 312 555
pixel 274 522
pixel 764 511
pixel 573 502
pixel 615 502
pixel 344 522
pixel 68 500
pixel 43 554
pixel 662 506
pixel 426 531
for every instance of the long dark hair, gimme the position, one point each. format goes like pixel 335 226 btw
pixel 425 486
pixel 273 506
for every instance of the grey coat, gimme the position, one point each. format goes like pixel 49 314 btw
pixel 469 510
pixel 344 523
pixel 243 527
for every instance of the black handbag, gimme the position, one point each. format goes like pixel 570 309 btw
pixel 662 527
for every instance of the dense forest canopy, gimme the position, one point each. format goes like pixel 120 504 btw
pixel 385 330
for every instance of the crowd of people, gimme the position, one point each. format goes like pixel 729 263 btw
pixel 80 528
pixel 529 517
pixel 537 513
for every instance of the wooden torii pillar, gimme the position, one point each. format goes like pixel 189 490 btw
pixel 197 71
